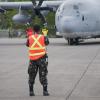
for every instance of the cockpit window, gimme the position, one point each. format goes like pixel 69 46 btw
pixel 75 7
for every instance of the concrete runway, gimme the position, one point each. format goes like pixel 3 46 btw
pixel 74 71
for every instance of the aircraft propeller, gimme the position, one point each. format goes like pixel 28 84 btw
pixel 22 18
pixel 37 9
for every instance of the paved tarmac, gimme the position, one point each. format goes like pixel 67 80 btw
pixel 74 71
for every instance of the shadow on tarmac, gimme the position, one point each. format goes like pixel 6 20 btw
pixel 80 44
pixel 89 43
pixel 58 44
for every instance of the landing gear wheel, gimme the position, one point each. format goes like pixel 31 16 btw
pixel 70 41
pixel 76 41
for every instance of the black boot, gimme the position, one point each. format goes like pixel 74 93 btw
pixel 32 93
pixel 31 90
pixel 45 91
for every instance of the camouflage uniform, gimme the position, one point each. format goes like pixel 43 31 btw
pixel 41 65
pixel 34 66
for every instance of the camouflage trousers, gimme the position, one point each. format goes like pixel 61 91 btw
pixel 41 66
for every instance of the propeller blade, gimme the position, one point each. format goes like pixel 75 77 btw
pixel 34 2
pixel 40 2
pixel 38 13
pixel 37 10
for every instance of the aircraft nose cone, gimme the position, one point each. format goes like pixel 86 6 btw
pixel 68 24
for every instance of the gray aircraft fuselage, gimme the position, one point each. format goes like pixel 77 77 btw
pixel 79 19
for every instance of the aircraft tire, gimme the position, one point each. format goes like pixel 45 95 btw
pixel 76 41
pixel 70 41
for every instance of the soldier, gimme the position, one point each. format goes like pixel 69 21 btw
pixel 38 60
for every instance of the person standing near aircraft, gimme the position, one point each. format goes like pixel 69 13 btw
pixel 38 60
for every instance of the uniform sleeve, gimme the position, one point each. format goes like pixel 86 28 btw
pixel 27 43
pixel 46 40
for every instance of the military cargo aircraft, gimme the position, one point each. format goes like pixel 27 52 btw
pixel 74 19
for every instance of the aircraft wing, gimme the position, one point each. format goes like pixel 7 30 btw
pixel 27 5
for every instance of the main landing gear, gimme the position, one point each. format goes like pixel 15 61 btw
pixel 73 41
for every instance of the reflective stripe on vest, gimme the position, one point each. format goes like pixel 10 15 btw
pixel 37 54
pixel 38 51
pixel 36 42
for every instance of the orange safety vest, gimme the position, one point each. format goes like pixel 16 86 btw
pixel 37 47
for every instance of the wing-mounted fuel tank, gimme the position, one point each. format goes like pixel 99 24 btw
pixel 21 17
